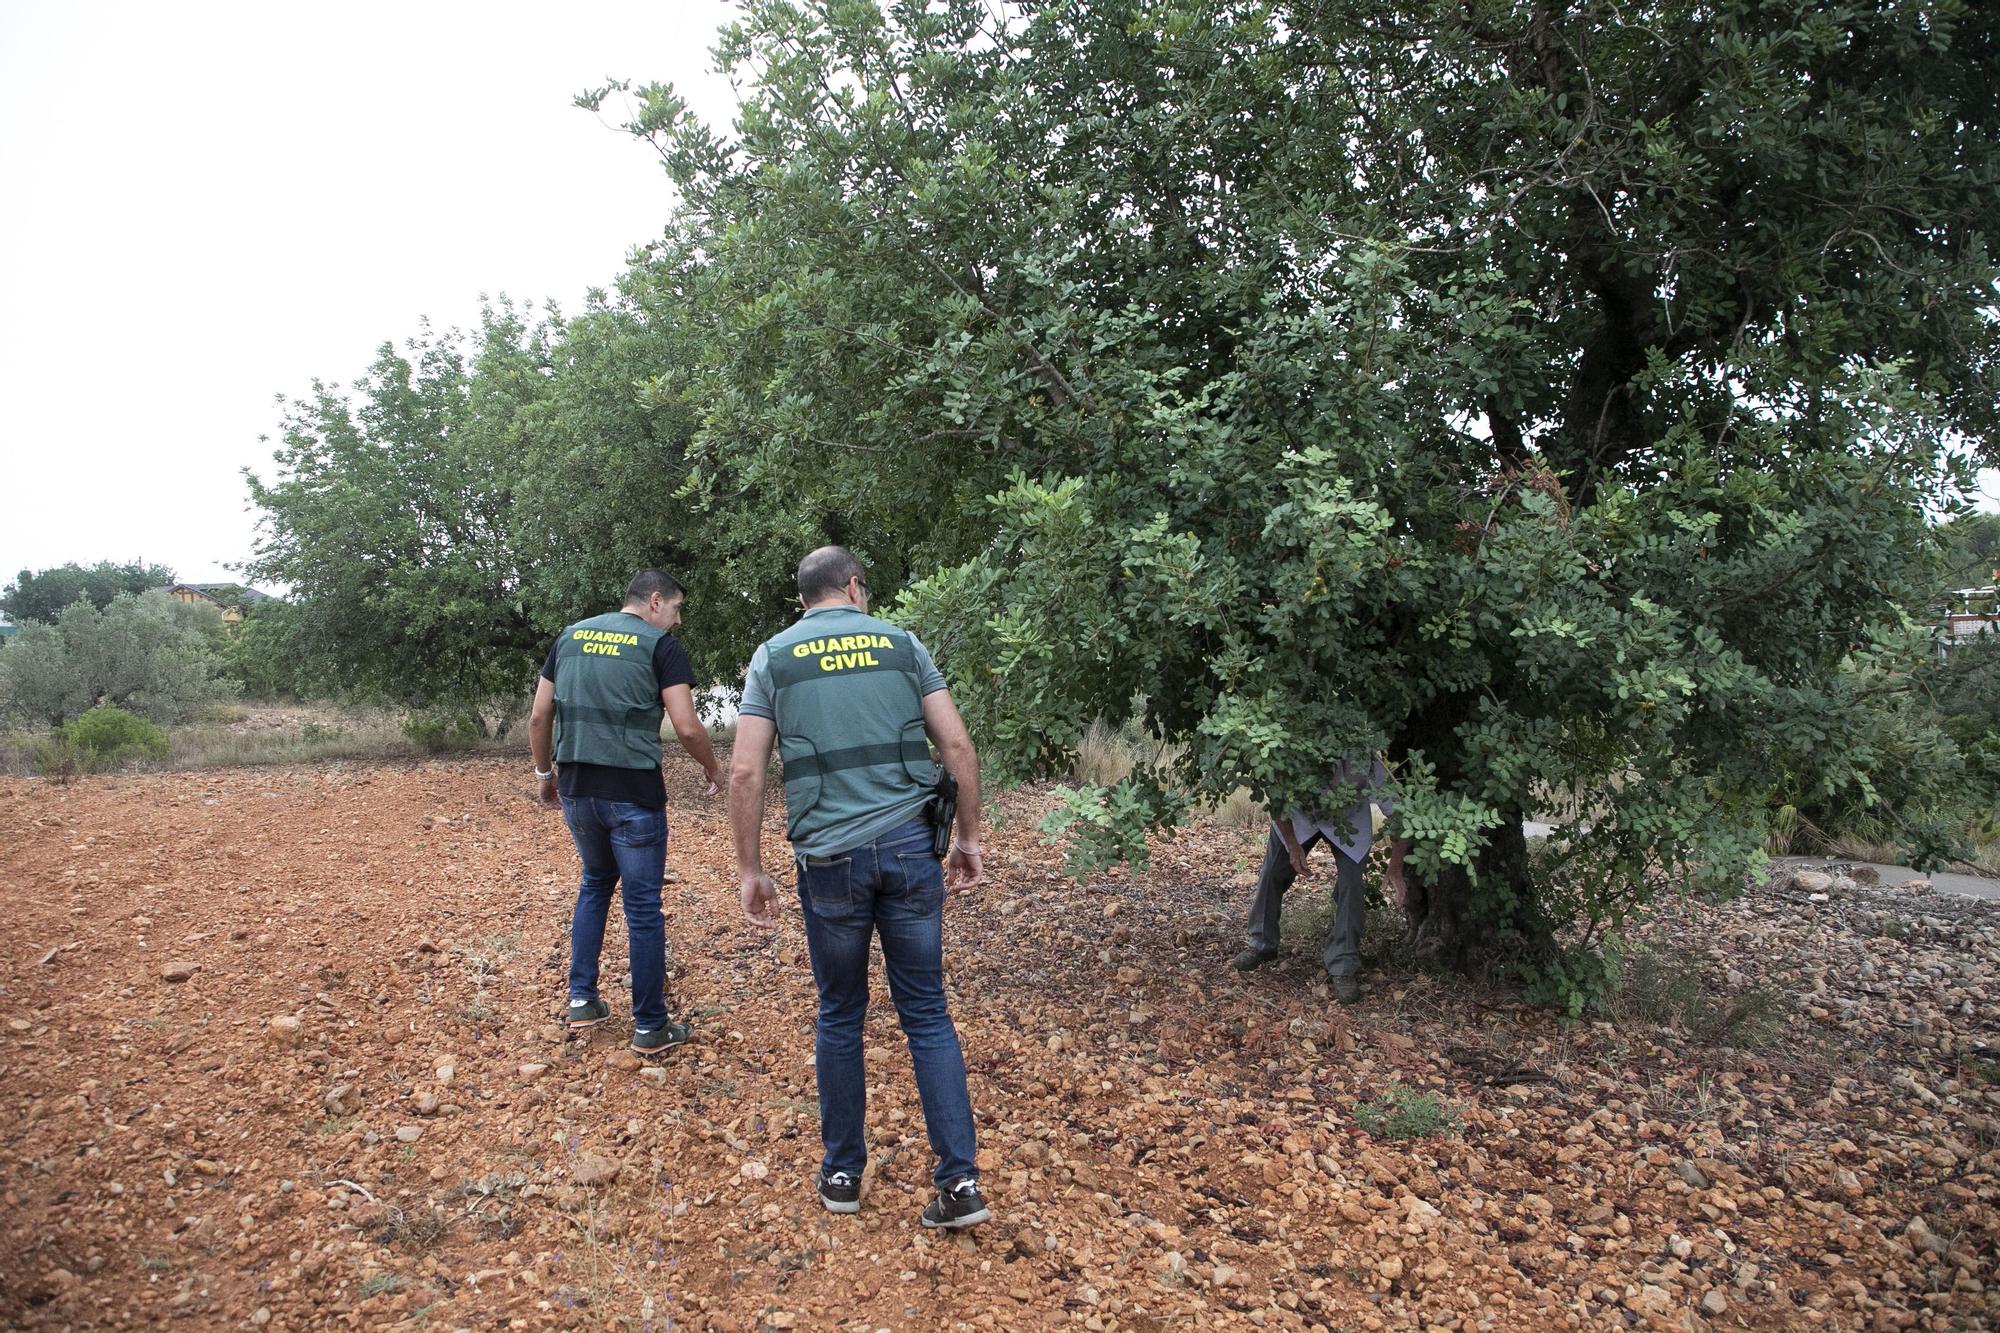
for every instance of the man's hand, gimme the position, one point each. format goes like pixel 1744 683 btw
pixel 546 793
pixel 1298 855
pixel 760 900
pixel 962 869
pixel 714 775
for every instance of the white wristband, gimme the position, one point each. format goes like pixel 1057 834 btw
pixel 544 777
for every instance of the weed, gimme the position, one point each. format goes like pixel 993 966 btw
pixel 1895 927
pixel 378 1283
pixel 1666 987
pixel 1404 1113
pixel 155 1264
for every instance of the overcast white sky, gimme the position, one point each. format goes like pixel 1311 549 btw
pixel 203 205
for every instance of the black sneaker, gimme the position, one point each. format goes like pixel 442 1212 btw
pixel 587 1014
pixel 1252 959
pixel 840 1192
pixel 1347 990
pixel 959 1204
pixel 661 1039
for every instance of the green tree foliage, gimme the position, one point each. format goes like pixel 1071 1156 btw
pixel 390 517
pixel 146 654
pixel 105 737
pixel 42 595
pixel 1545 396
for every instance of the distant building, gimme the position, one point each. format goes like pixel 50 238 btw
pixel 1973 615
pixel 233 599
pixel 8 629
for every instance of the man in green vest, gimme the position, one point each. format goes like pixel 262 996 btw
pixel 595 734
pixel 848 700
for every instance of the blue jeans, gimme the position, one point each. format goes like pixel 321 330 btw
pixel 619 841
pixel 893 886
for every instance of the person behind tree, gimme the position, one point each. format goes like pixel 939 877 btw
pixel 1353 789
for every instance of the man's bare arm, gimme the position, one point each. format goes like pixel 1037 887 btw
pixel 754 738
pixel 693 736
pixel 963 867
pixel 542 738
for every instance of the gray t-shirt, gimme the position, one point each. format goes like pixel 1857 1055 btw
pixel 1349 825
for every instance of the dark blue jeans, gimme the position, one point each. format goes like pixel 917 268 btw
pixel 620 842
pixel 894 887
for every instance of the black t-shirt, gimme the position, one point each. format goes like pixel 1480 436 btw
pixel 634 786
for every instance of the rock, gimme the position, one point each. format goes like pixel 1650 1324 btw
pixel 18 1025
pixel 625 1060
pixel 179 970
pixel 530 1072
pixel 1811 881
pixel 446 1073
pixel 336 1100
pixel 654 1075
pixel 1691 1174
pixel 426 946
pixel 1390 1268
pixel 593 1170
pixel 409 1133
pixel 1865 875
pixel 427 1104
pixel 284 1030
pixel 1714 1304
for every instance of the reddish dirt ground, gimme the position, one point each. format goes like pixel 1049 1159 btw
pixel 414 1141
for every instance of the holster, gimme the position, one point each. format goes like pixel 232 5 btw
pixel 942 811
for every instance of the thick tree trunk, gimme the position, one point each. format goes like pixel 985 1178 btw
pixel 1448 923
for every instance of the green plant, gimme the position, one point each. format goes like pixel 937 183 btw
pixel 375 1284
pixel 437 732
pixel 1668 986
pixel 105 737
pixel 1404 1113
pixel 317 733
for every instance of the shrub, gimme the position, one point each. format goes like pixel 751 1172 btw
pixel 106 737
pixel 436 732
pixel 1404 1113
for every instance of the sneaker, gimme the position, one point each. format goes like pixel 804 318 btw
pixel 1253 958
pixel 656 1040
pixel 587 1014
pixel 840 1192
pixel 959 1204
pixel 1347 990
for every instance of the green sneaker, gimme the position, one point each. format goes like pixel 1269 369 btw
pixel 661 1039
pixel 587 1014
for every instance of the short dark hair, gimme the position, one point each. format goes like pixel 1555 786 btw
pixel 649 581
pixel 826 571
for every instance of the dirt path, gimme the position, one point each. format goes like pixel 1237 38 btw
pixel 1167 1144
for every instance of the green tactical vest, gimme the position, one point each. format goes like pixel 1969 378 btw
pixel 607 697
pixel 850 722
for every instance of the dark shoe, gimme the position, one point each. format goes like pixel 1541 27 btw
pixel 1347 990
pixel 1252 959
pixel 661 1039
pixel 587 1014
pixel 958 1204
pixel 840 1192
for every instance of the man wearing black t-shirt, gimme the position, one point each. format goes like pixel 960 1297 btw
pixel 595 734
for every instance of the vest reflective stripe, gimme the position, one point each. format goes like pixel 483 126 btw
pixel 608 708
pixel 855 756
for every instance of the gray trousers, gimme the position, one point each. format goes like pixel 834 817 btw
pixel 1342 954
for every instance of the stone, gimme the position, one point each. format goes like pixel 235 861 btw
pixel 338 1099
pixel 1390 1268
pixel 654 1075
pixel 1691 1174
pixel 179 970
pixel 625 1060
pixel 1811 881
pixel 409 1133
pixel 1714 1304
pixel 531 1072
pixel 284 1030
pixel 427 1104
pixel 594 1170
